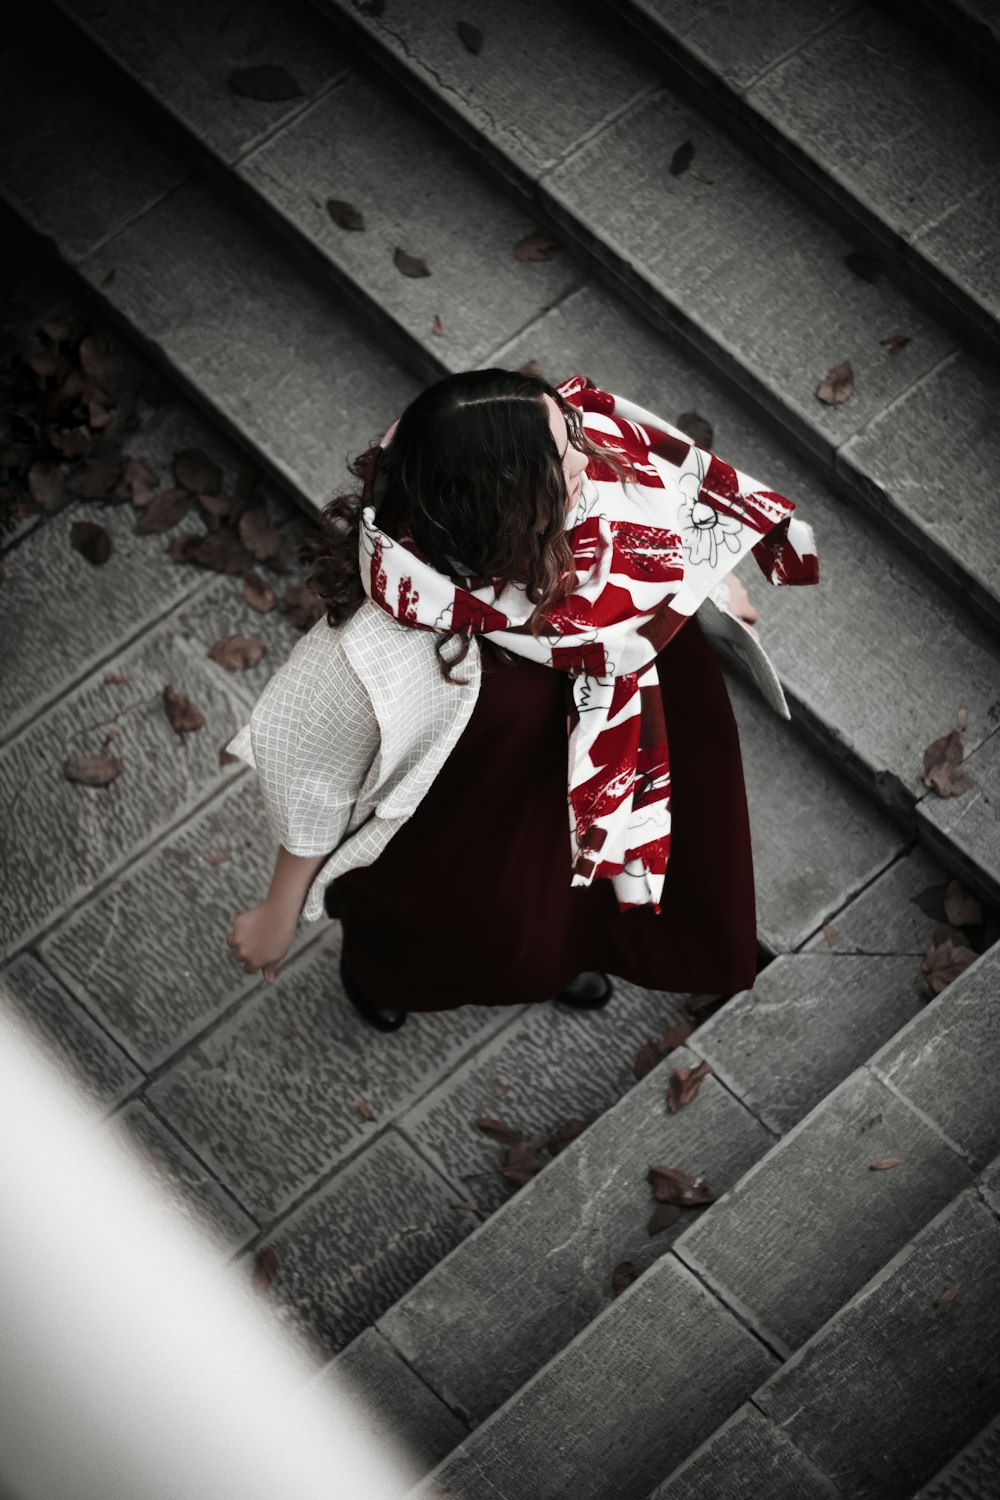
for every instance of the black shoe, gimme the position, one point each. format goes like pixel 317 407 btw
pixel 589 991
pixel 382 1020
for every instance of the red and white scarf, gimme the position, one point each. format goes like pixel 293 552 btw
pixel 647 553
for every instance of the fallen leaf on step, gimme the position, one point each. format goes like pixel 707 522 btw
pixel 961 907
pixel 91 541
pixel 885 1164
pixel 671 1185
pixel 269 82
pixel 942 762
pixel 622 1276
pixel 163 512
pixel 664 1216
pixel 830 933
pixel 471 36
pixel 437 327
pixel 409 265
pixel 947 1295
pixel 837 384
pixel 194 470
pixel 561 1137
pixel 216 506
pixel 498 1130
pixel 523 1161
pixel 896 343
pixel 216 859
pixel 698 429
pixel 682 158
pixel 257 533
pixel 226 757
pixel 92 770
pixel 71 442
pixel 237 652
pixel 222 551
pixel 536 246
pixel 96 476
pixel 344 214
pixel 138 483
pixel 684 1085
pixel 117 679
pixel 866 266
pixel 181 712
pixel 945 960
pixel 364 1109
pixel 265 1267
pixel 259 594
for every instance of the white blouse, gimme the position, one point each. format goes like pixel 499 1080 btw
pixel 352 729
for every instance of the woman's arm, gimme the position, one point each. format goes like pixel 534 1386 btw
pixel 260 938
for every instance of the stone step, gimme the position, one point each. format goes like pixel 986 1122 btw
pixel 869 1408
pixel 591 1201
pixel 734 267
pixel 823 1255
pixel 969 30
pixel 874 717
pixel 832 98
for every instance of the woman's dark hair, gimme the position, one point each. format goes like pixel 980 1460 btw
pixel 473 475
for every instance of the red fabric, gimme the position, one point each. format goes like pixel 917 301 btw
pixel 431 925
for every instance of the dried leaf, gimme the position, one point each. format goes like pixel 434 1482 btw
pixel 898 342
pixel 47 484
pixel 961 907
pixel 217 859
pixel 622 1276
pixel 345 214
pixel 942 762
pixel 183 548
pixel 682 158
pixel 257 534
pixel 92 770
pixel 498 1130
pixel 945 960
pixel 364 1109
pixel 837 384
pixel 95 477
pixel 91 541
pixel 684 1085
pixel 238 652
pixel 830 933
pixel 111 734
pixel 71 442
pixel 886 1164
pixel 163 512
pixel 194 470
pixel 216 506
pixel 565 1133
pixel 258 594
pixel 664 1216
pixel 671 1185
pixel 409 265
pixel 117 679
pixel 523 1161
pixel 227 758
pixel 471 37
pixel 59 331
pixel 265 1267
pixel 931 901
pixel 269 82
pixel 138 483
pixel 868 267
pixel 698 429
pixel 947 1295
pixel 223 552
pixel 437 327
pixel 536 246
pixel 181 712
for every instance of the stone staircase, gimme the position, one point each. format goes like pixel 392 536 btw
pixel 839 1333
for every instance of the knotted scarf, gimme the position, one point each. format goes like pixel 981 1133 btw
pixel 647 553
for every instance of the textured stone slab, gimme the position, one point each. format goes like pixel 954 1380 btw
pixel 148 955
pixel 974 1474
pixel 618 1408
pixel 269 1097
pixel 182 1178
pixel 747 1458
pixel 807 1226
pixel 859 1399
pixel 544 79
pixel 270 351
pixel 70 1037
pixel 355 1246
pixel 184 56
pixel 551 1065
pixel 541 1267
pixel 989 1185
pixel 885 917
pixel 940 440
pixel 969 823
pixel 808 1022
pixel 61 134
pixel 735 44
pixel 61 838
pixel 947 1061
pixel 816 838
pixel 872 708
pixel 754 277
pixel 399 1405
pixel 420 192
pixel 855 99
pixel 960 245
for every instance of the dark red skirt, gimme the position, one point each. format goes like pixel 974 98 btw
pixel 471 902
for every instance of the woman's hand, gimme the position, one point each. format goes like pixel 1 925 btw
pixel 739 603
pixel 261 937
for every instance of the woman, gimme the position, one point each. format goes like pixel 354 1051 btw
pixel 511 766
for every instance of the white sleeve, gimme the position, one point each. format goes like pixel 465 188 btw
pixel 314 736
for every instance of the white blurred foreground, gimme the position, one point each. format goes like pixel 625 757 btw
pixel 133 1365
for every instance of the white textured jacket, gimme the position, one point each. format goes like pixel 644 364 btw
pixel 350 732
